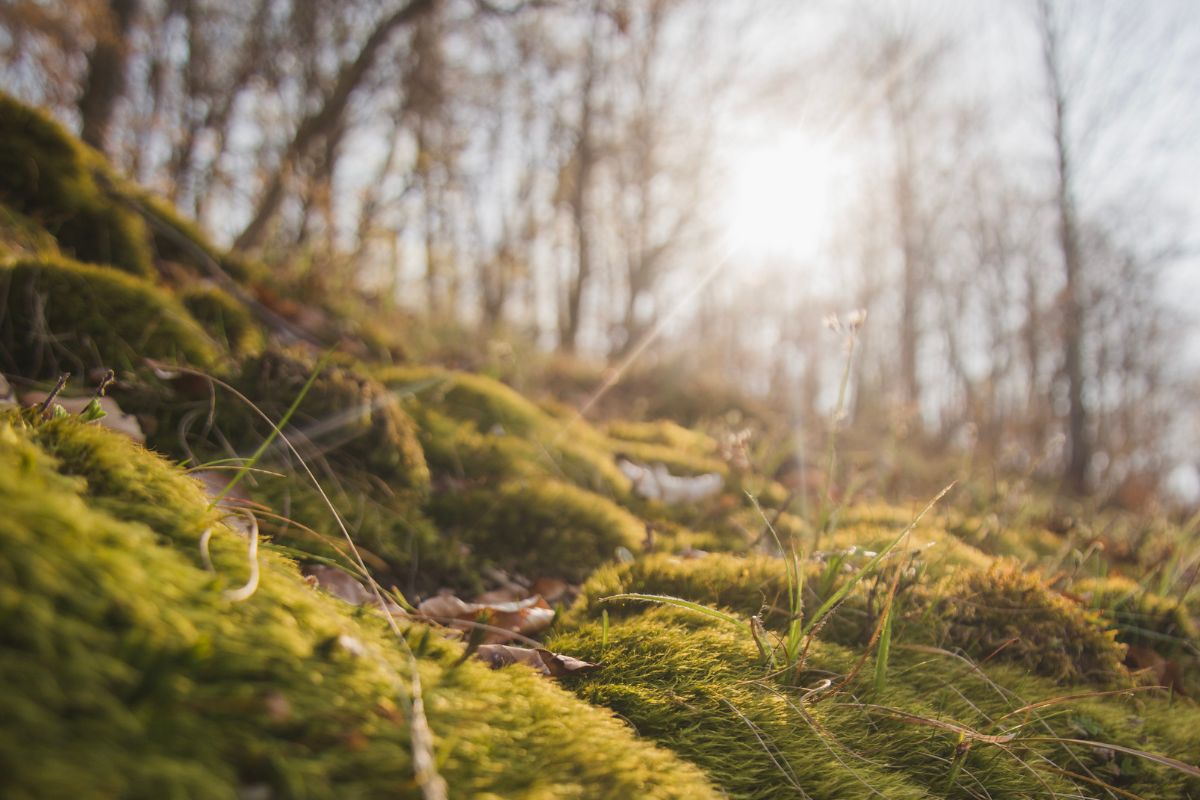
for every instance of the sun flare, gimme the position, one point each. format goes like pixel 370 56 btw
pixel 781 197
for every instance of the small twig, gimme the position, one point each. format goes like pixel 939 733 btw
pixel 44 407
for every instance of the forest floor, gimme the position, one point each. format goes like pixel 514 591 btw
pixel 245 564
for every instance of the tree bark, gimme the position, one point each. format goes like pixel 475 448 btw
pixel 1078 439
pixel 105 81
pixel 324 121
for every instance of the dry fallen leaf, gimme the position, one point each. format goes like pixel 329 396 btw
pixel 525 617
pixel 555 590
pixel 543 661
pixel 506 594
pixel 339 583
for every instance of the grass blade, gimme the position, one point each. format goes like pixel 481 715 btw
pixel 885 648
pixel 869 568
pixel 678 602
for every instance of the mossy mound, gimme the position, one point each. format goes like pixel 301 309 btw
pixel 513 436
pixel 399 543
pixel 126 671
pixel 1139 616
pixel 999 612
pixel 745 584
pixel 179 241
pixel 21 237
pixel 538 528
pixel 224 318
pixel 662 432
pixel 346 418
pixel 62 185
pixel 700 689
pixel 60 315
pixel 1010 614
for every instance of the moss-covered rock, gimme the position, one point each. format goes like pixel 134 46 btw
pixel 1140 617
pixel 662 432
pixel 346 418
pixel 125 671
pixel 22 237
pixel 61 315
pixel 1009 613
pixel 400 545
pixel 699 688
pixel 998 612
pixel 538 528
pixel 179 241
pixel 61 184
pixel 512 436
pixel 224 318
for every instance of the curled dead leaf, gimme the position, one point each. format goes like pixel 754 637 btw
pixel 525 617
pixel 542 661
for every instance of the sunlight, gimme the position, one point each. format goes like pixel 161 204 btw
pixel 781 197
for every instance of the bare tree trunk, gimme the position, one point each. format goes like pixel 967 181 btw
pixel 1078 439
pixel 324 121
pixel 585 158
pixel 105 82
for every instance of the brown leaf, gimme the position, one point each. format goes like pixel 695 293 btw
pixel 501 655
pixel 554 590
pixel 505 594
pixel 542 661
pixel 447 606
pixel 559 665
pixel 339 583
pixel 525 617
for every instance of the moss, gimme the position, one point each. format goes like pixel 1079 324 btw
pixel 999 612
pixel 1140 617
pixel 1022 541
pixel 60 315
pixel 347 418
pixel 21 237
pixel 676 460
pixel 401 546
pixel 52 178
pixel 511 437
pixel 699 689
pixel 1008 613
pixel 743 584
pixel 224 317
pixel 662 432
pixel 464 396
pixel 124 672
pixel 538 528
pixel 180 241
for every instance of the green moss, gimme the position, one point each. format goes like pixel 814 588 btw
pixel 464 396
pixel 347 419
pixel 1140 617
pixel 180 241
pixel 662 432
pixel 224 317
pixel 1008 613
pixel 700 689
pixel 60 315
pixel 125 672
pixel 999 612
pixel 52 178
pixel 21 237
pixel 538 528
pixel 676 460
pixel 400 545
pixel 499 434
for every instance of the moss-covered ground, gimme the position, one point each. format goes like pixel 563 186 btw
pixel 1022 656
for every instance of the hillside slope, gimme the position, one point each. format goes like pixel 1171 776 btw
pixel 166 633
